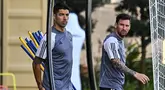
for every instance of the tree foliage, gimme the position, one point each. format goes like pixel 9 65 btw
pixel 80 5
pixel 131 6
pixel 133 52
pixel 77 6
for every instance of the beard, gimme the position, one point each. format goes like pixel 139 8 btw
pixel 64 23
pixel 122 33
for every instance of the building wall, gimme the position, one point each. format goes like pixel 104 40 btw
pixel 20 16
pixel 0 41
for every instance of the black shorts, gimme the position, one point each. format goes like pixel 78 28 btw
pixel 106 88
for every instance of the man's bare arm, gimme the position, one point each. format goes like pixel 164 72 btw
pixel 37 71
pixel 120 65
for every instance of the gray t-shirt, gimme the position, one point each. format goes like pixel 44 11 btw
pixel 113 48
pixel 62 59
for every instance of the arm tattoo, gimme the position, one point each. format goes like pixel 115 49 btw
pixel 118 64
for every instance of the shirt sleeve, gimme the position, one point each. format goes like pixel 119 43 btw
pixel 42 49
pixel 110 46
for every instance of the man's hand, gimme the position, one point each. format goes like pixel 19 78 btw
pixel 141 77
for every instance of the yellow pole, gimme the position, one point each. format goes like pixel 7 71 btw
pixel 31 36
pixel 29 50
pixel 26 46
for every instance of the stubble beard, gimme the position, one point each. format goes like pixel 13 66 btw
pixel 61 25
pixel 122 34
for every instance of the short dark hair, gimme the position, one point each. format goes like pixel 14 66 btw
pixel 60 5
pixel 122 16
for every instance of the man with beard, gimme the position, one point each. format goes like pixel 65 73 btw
pixel 61 45
pixel 113 57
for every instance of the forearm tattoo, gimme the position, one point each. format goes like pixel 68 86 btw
pixel 118 64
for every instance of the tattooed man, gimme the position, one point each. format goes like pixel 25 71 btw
pixel 113 57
